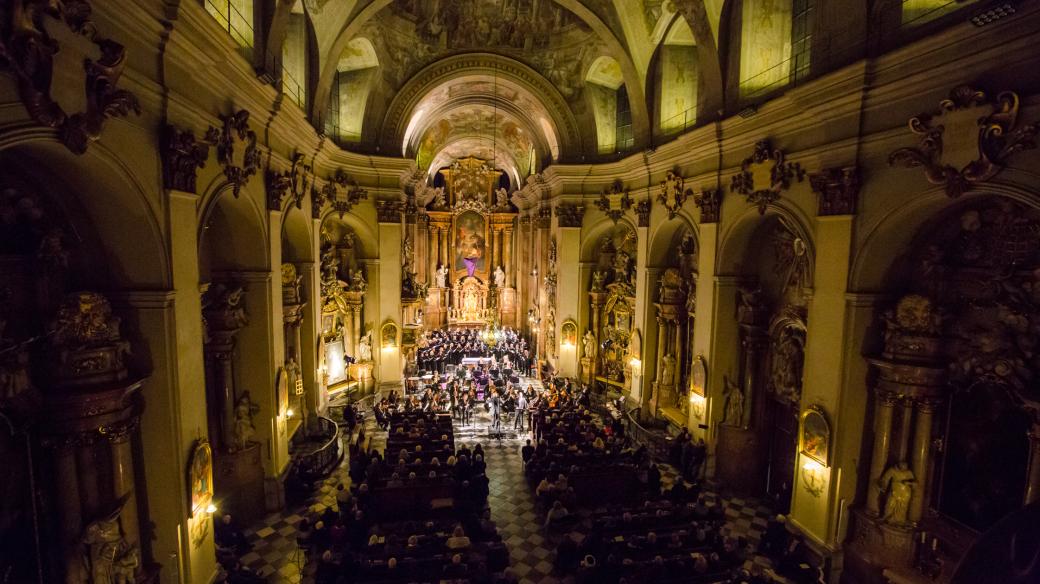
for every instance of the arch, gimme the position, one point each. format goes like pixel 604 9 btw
pixel 711 88
pixel 296 236
pixel 661 249
pixel 397 123
pixel 233 231
pixel 734 240
pixel 367 240
pixel 640 112
pixel 112 199
pixel 893 233
pixel 594 234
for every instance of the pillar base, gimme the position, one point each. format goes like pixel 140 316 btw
pixel 876 546
pixel 740 460
pixel 239 483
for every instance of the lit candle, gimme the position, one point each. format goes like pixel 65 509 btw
pixel 935 544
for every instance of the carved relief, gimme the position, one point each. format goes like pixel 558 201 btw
pixel 330 193
pixel 673 194
pixel 614 201
pixel 764 175
pixel 838 190
pixel 183 156
pixel 28 49
pixel 967 140
pixel 286 184
pixel 236 149
pixel 570 214
pixel 84 337
pixel 787 354
pixel 709 201
pixel 642 209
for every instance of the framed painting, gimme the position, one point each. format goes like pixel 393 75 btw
pixel 200 477
pixel 815 439
pixel 698 376
pixel 470 242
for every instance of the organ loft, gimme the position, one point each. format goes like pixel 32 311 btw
pixel 502 291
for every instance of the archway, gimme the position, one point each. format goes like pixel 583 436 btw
pixel 78 245
pixel 768 263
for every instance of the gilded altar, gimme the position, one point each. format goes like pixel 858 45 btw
pixel 469 247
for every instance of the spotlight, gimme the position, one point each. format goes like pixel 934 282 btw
pixel 993 14
pixel 211 508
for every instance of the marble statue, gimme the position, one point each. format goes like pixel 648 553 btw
pixel 734 412
pixel 500 277
pixel 442 277
pixel 668 374
pixel 365 348
pixel 407 255
pixel 897 484
pixel 109 557
pixel 589 344
pixel 243 432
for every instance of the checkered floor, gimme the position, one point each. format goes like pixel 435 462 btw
pixel 532 551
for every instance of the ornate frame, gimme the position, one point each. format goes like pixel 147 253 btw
pixel 200 469
pixel 29 50
pixel 388 335
pixel 699 368
pixel 994 134
pixel 811 446
pixel 781 173
pixel 569 332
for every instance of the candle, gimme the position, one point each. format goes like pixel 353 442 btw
pixel 935 543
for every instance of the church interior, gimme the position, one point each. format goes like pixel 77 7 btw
pixel 541 291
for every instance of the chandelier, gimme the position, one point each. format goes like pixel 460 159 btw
pixel 492 333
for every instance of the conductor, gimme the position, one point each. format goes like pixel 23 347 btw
pixel 496 411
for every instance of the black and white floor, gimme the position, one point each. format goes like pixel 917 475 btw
pixel 275 556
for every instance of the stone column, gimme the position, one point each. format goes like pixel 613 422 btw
pixel 507 251
pixel 443 236
pixel 882 442
pixel 1033 474
pixel 66 484
pixel 87 471
pixel 355 326
pixel 921 457
pixel 906 410
pixel 123 481
pixel 433 252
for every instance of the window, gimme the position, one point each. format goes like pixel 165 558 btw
pixel 624 139
pixel 294 57
pixel 775 44
pixel 234 16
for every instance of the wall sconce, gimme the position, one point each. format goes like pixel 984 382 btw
pixel 812 477
pixel 697 405
pixel 289 413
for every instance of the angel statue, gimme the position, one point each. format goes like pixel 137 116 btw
pixel 897 485
pixel 243 432
pixel 734 412
pixel 589 344
pixel 365 348
pixel 109 558
pixel 500 277
pixel 442 277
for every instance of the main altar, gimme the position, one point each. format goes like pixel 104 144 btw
pixel 469 244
